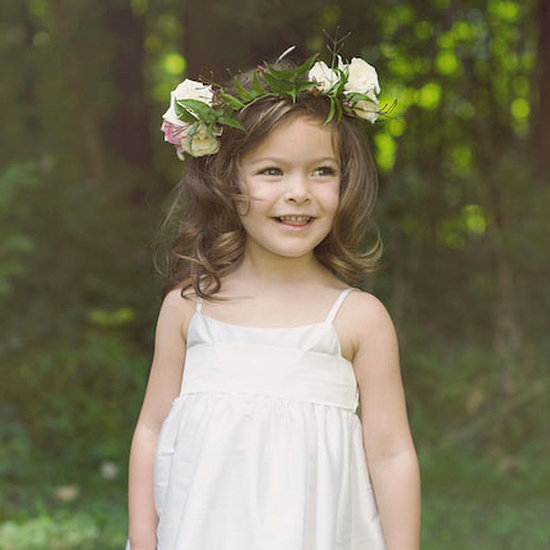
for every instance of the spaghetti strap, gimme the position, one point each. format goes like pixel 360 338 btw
pixel 198 307
pixel 334 310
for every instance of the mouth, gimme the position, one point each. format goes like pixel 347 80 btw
pixel 294 221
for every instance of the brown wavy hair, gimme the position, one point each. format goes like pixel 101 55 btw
pixel 202 222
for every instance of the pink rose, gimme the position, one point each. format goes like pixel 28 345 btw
pixel 174 134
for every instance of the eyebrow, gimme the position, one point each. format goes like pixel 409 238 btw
pixel 282 161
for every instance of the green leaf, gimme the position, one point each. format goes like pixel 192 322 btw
pixel 356 96
pixel 267 94
pixel 243 93
pixel 331 111
pixel 279 74
pixel 338 105
pixel 192 132
pixel 278 86
pixel 339 87
pixel 185 115
pixel 209 131
pixel 200 109
pixel 256 86
pixel 232 101
pixel 231 121
pixel 303 86
pixel 308 63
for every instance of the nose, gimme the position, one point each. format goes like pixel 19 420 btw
pixel 298 190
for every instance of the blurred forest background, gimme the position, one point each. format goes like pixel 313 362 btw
pixel 464 210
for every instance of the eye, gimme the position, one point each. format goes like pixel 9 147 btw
pixel 271 171
pixel 325 171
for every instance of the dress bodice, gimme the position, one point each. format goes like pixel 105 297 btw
pixel 298 363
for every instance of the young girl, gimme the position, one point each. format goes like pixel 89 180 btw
pixel 249 436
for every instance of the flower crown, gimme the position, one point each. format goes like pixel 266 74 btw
pixel 198 111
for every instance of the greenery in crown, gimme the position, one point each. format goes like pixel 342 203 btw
pixel 198 111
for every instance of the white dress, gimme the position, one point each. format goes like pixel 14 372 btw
pixel 262 449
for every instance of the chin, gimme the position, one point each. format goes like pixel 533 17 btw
pixel 296 253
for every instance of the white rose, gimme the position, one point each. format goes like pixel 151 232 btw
pixel 362 77
pixel 366 109
pixel 202 143
pixel 188 89
pixel 325 77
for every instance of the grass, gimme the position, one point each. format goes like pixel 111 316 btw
pixel 59 507
pixel 469 502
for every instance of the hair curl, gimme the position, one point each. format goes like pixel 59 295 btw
pixel 205 231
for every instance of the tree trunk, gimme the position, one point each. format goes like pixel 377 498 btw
pixel 88 119
pixel 493 140
pixel 127 131
pixel 542 117
pixel 507 333
pixel 28 91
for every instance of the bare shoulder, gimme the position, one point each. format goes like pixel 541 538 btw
pixel 176 310
pixel 366 305
pixel 368 322
pixel 168 358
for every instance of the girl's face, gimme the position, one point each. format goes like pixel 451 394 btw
pixel 293 181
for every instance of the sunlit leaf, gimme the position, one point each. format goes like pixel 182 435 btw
pixel 423 30
pixel 474 219
pixel 463 30
pixel 446 62
pixel 520 108
pixel 429 96
pixel 174 63
pixel 397 126
pixel 503 9
pixel 385 151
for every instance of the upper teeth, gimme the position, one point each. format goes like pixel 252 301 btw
pixel 294 218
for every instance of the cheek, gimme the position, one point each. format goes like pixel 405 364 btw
pixel 252 206
pixel 332 199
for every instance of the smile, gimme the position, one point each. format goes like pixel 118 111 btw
pixel 294 220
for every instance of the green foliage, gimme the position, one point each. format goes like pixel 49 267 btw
pixel 15 245
pixel 462 382
pixel 86 405
pixel 45 532
pixel 280 82
pixel 75 349
pixel 93 517
pixel 15 443
pixel 457 196
pixel 174 63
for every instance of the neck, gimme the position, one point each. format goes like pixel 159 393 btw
pixel 280 270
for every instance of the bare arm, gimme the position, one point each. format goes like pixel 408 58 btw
pixel 389 448
pixel 162 387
